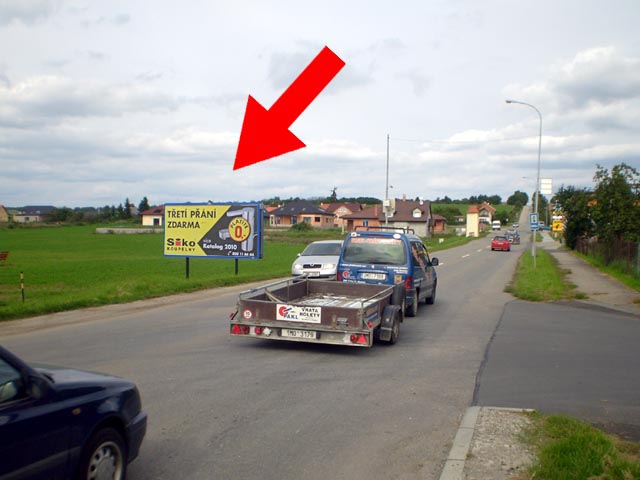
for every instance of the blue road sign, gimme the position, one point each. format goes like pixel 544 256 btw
pixel 533 221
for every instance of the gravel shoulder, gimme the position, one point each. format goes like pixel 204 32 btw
pixel 497 451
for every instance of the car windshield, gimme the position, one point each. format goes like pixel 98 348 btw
pixel 376 250
pixel 320 249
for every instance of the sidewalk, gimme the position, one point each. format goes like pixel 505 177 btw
pixel 601 289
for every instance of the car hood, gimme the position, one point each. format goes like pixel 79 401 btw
pixel 81 382
pixel 316 259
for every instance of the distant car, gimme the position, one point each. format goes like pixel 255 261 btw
pixel 60 423
pixel 516 225
pixel 500 242
pixel 319 259
pixel 513 236
pixel 496 225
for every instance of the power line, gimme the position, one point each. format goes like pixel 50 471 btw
pixel 410 140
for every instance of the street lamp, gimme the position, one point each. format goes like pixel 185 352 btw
pixel 535 208
pixel 386 188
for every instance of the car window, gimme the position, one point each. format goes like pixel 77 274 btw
pixel 420 255
pixel 322 249
pixel 375 250
pixel 10 382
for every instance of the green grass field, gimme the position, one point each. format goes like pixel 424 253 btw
pixel 73 267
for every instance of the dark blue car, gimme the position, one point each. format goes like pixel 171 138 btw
pixel 60 423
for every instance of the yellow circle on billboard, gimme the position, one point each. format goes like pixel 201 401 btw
pixel 239 229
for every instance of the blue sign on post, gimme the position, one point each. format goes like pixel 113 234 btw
pixel 533 221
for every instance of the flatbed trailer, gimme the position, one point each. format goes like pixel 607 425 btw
pixel 320 311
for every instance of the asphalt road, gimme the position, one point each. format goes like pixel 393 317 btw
pixel 571 358
pixel 233 408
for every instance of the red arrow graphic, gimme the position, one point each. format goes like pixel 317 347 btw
pixel 265 133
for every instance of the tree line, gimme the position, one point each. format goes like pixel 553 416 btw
pixel 108 213
pixel 610 211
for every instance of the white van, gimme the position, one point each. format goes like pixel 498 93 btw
pixel 495 225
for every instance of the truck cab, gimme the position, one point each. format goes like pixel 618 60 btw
pixel 379 255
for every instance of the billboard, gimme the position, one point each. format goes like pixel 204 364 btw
pixel 213 230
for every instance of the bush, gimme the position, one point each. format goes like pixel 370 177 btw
pixel 301 227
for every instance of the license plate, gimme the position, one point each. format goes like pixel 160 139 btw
pixel 313 274
pixel 287 332
pixel 374 276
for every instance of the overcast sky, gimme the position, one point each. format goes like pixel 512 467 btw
pixel 100 101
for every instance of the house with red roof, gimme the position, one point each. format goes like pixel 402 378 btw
pixel 339 210
pixel 414 214
pixel 154 217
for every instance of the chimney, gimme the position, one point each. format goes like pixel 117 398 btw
pixel 404 197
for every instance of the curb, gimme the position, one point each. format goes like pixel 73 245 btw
pixel 454 466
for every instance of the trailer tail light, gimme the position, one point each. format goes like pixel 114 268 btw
pixel 258 330
pixel 408 282
pixel 359 339
pixel 240 330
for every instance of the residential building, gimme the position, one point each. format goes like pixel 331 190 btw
pixel 4 214
pixel 439 223
pixel 339 210
pixel 32 213
pixel 473 221
pixel 154 217
pixel 301 211
pixel 485 215
pixel 414 214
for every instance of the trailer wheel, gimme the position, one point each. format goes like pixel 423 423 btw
pixel 395 329
pixel 389 329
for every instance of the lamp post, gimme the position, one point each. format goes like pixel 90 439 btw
pixel 386 188
pixel 537 194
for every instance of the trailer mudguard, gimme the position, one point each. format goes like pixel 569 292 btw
pixel 391 314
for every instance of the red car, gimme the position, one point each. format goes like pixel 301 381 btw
pixel 500 243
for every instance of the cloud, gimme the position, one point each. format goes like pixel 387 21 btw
pixel 284 68
pixel 28 12
pixel 44 99
pixel 117 20
pixel 596 76
pixel 417 79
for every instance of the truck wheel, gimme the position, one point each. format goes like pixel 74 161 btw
pixel 104 457
pixel 412 310
pixel 432 298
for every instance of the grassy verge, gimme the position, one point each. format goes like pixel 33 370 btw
pixel 569 449
pixel 546 283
